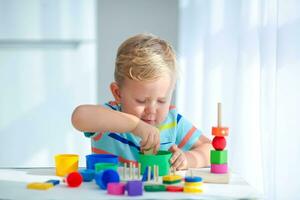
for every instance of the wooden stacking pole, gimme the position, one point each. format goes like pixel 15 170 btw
pixel 149 173
pixel 130 170
pixel 154 172
pixel 139 171
pixel 157 173
pixel 219 114
pixel 124 170
pixel 133 170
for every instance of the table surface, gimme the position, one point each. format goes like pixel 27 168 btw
pixel 13 183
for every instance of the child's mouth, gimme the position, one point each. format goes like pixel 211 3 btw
pixel 152 122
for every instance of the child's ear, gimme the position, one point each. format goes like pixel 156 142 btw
pixel 115 90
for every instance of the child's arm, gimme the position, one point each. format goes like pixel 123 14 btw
pixel 197 156
pixel 95 118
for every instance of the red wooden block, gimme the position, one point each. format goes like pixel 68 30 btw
pixel 219 143
pixel 174 188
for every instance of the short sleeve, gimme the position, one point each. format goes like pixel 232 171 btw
pixel 187 133
pixel 89 134
pixel 112 105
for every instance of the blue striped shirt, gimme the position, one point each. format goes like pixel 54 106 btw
pixel 174 130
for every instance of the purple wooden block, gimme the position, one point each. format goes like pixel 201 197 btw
pixel 134 188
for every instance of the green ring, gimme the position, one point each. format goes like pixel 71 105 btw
pixel 103 166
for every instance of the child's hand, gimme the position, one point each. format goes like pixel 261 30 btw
pixel 149 135
pixel 178 159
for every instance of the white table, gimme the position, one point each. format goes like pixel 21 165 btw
pixel 13 186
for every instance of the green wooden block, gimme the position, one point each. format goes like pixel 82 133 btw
pixel 218 157
pixel 155 188
pixel 171 182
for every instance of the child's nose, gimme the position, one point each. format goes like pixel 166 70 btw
pixel 150 108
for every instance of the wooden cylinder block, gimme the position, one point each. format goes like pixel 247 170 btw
pixel 218 168
pixel 220 131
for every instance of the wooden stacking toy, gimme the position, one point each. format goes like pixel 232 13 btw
pixel 193 184
pixel 172 178
pixel 218 172
pixel 218 157
pixel 153 186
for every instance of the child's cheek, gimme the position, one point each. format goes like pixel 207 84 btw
pixel 163 114
pixel 139 110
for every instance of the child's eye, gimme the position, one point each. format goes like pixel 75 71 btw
pixel 140 101
pixel 161 101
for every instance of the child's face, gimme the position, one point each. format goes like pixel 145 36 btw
pixel 147 100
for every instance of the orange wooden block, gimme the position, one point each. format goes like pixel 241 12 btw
pixel 220 131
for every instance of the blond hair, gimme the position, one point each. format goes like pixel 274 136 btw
pixel 144 57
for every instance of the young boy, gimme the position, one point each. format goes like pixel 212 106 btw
pixel 141 117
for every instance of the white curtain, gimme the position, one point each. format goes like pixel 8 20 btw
pixel 246 54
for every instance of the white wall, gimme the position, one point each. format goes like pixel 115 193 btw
pixel 47 67
pixel 117 20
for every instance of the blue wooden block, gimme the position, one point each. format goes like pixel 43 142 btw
pixel 193 179
pixel 105 177
pixel 145 175
pixel 87 174
pixel 53 181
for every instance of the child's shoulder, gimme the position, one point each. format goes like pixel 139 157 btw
pixel 174 114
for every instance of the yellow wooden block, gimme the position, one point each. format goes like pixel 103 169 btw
pixel 190 189
pixel 39 186
pixel 193 184
pixel 172 178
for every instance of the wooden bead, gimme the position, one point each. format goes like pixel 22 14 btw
pixel 74 179
pixel 219 143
